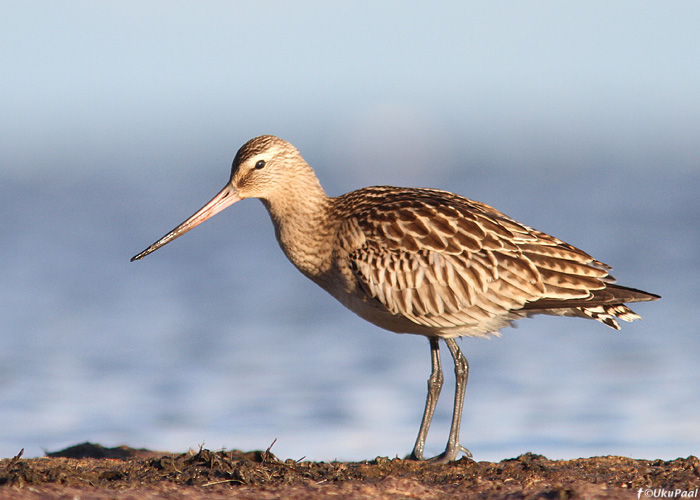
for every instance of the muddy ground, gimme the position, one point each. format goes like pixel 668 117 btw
pixel 89 471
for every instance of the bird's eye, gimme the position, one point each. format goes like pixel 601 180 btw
pixel 260 164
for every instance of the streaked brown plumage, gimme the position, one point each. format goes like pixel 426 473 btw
pixel 419 261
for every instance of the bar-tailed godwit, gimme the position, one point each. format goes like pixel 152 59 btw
pixel 419 261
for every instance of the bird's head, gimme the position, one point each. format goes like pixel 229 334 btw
pixel 264 165
pixel 261 169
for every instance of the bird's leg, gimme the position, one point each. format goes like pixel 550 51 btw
pixel 461 374
pixel 434 387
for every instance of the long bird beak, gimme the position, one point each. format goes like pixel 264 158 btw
pixel 226 197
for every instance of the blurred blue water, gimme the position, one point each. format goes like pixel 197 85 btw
pixel 217 339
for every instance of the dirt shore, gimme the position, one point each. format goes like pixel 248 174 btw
pixel 89 471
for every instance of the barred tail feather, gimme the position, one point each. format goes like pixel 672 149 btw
pixel 607 314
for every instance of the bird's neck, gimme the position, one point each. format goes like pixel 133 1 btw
pixel 304 226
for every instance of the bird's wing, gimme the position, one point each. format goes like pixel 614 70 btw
pixel 447 262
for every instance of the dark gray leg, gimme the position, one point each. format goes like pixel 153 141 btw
pixel 434 387
pixel 461 374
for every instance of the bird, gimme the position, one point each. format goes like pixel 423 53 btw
pixel 418 261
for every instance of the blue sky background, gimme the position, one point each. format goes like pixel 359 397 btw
pixel 522 83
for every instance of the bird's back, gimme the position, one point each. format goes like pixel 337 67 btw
pixel 434 263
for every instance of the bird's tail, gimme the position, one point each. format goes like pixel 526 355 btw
pixel 606 305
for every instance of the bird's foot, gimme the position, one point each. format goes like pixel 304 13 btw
pixel 450 454
pixel 447 456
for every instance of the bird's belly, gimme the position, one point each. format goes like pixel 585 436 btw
pixel 340 282
pixel 376 314
pixel 373 311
